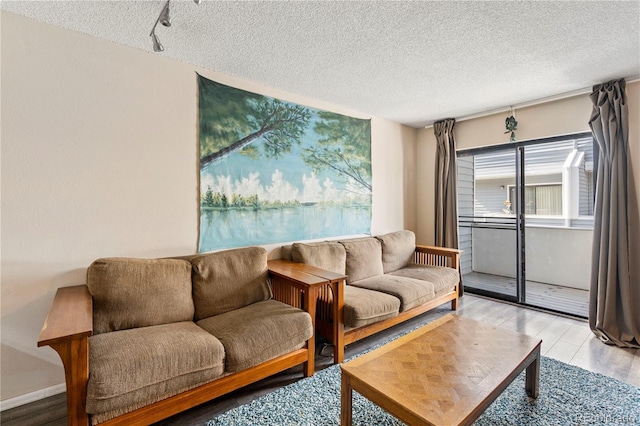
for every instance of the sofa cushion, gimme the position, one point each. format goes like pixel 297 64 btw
pixel 326 255
pixel 285 252
pixel 364 258
pixel 133 368
pixel 259 332
pixel 398 250
pixel 410 291
pixel 130 293
pixel 228 280
pixel 443 279
pixel 363 307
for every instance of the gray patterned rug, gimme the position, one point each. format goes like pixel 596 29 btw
pixel 568 396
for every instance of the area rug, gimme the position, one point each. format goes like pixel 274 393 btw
pixel 568 396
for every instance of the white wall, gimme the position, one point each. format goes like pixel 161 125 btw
pixel 99 158
pixel 498 252
pixel 554 255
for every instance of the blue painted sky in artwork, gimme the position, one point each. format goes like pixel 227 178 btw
pixel 291 165
pixel 293 204
pixel 294 171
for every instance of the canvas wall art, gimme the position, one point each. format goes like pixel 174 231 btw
pixel 273 171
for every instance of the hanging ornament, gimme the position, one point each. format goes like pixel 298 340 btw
pixel 511 125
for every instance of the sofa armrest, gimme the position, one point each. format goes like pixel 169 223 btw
pixel 70 316
pixel 438 256
pixel 67 329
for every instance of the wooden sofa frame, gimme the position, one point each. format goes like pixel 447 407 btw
pixel 329 319
pixel 69 324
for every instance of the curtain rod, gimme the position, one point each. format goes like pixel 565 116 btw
pixel 552 98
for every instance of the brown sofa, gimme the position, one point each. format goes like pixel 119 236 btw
pixel 375 283
pixel 147 338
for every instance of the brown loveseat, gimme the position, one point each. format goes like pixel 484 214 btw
pixel 375 283
pixel 147 338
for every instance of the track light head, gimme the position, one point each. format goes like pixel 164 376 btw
pixel 165 19
pixel 157 47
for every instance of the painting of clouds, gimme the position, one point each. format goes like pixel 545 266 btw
pixel 272 171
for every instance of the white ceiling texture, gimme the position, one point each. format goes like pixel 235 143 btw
pixel 412 62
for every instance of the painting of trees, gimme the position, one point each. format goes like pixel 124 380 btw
pixel 232 120
pixel 344 147
pixel 274 171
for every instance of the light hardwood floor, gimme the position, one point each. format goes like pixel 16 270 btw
pixel 565 339
pixel 573 301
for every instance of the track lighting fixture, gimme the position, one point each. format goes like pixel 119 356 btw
pixel 165 19
pixel 157 47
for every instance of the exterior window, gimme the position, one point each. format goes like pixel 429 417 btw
pixel 587 187
pixel 543 200
pixel 558 183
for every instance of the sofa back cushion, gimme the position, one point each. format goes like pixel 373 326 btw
pixel 398 250
pixel 326 255
pixel 285 252
pixel 228 280
pixel 130 293
pixel 364 258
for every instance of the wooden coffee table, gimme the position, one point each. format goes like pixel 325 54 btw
pixel 445 373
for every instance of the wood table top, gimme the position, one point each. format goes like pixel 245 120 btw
pixel 445 370
pixel 280 264
pixel 289 269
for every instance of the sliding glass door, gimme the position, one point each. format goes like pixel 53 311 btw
pixel 488 222
pixel 558 211
pixel 525 222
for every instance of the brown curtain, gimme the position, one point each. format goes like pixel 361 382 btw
pixel 614 300
pixel 446 214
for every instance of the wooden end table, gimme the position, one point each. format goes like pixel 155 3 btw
pixel 445 373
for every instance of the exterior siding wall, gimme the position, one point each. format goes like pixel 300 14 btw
pixel 465 208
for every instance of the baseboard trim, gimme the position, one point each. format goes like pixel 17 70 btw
pixel 32 397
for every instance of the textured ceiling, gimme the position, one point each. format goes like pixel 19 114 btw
pixel 410 62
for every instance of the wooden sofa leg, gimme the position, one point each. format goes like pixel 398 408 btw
pixel 338 349
pixel 75 359
pixel 454 304
pixel 308 368
pixel 337 288
pixel 310 304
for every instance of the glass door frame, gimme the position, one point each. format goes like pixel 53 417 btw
pixel 520 234
pixel 519 208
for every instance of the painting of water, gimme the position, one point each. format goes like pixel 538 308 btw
pixel 273 171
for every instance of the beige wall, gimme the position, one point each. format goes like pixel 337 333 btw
pixel 565 116
pixel 99 158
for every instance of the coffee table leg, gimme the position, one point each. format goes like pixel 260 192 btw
pixel 346 395
pixel 533 375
